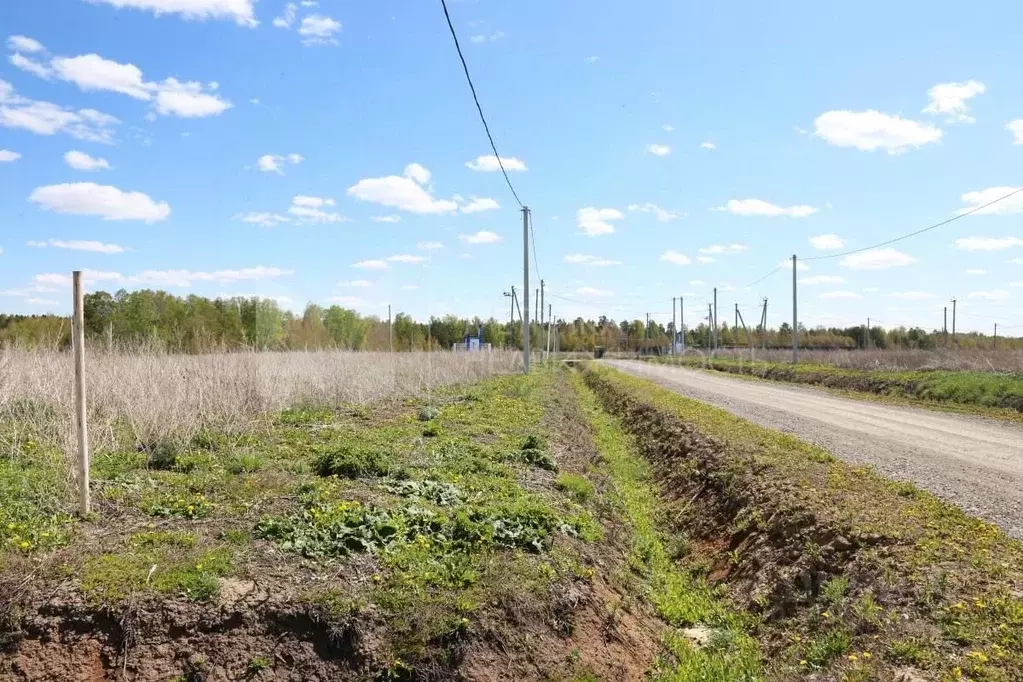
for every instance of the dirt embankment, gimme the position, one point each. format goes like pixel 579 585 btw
pixel 852 577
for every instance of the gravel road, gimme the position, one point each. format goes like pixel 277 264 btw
pixel 972 462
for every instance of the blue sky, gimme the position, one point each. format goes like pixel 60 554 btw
pixel 331 152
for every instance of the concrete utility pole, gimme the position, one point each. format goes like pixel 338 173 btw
pixel 715 318
pixel 525 289
pixel 682 322
pixel 763 326
pixel 78 341
pixel 390 333
pixel 674 328
pixel 734 326
pixel 953 318
pixel 867 341
pixel 541 304
pixel 795 323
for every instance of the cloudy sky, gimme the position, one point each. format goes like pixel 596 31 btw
pixel 330 151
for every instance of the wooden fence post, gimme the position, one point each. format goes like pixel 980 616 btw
pixel 78 341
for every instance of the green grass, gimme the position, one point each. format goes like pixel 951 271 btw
pixel 992 390
pixel 680 597
pixel 916 565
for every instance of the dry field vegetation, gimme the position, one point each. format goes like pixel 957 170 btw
pixel 333 516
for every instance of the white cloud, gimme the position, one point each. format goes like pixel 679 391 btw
pixel 877 259
pixel 83 162
pixel 662 215
pixel 658 149
pixel 708 145
pixel 871 290
pixel 667 127
pixel 477 205
pixel 489 164
pixel 592 59
pixel 481 237
pixel 871 130
pixel 354 301
pixel 242 11
pixel 187 100
pixel 409 287
pixel 371 265
pixel 822 279
pixel 1017 261
pixel 824 242
pixel 987 243
pixel 24 44
pixel 402 192
pixel 675 258
pixel 724 249
pixel 787 265
pixel 357 283
pixel 950 99
pixel 166 278
pixel 911 295
pixel 33 67
pixel 429 246
pixel 170 97
pixel 317 29
pixel 105 201
pixel 271 163
pixel 706 259
pixel 92 72
pixel 592 291
pixel 46 118
pixel 264 219
pixel 758 207
pixel 78 245
pixel 386 219
pixel 480 38
pixel 1011 205
pixel 1016 284
pixel 597 221
pixel 996 295
pixel 41 301
pixel 840 294
pixel 407 258
pixel 7 156
pixel 586 259
pixel 288 18
pixel 976 271
pixel 310 210
pixel 1016 128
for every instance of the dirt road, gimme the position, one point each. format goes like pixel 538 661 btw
pixel 972 462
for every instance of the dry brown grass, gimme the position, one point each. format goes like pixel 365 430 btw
pixel 154 395
pixel 956 360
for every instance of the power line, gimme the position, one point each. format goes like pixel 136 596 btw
pixel 532 239
pixel 483 118
pixel 926 229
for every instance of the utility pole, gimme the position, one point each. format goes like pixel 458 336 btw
pixel 867 341
pixel 996 336
pixel 682 322
pixel 536 303
pixel 548 330
pixel 674 328
pixel 541 304
pixel 736 325
pixel 715 318
pixel 390 328
pixel 525 289
pixel 763 327
pixel 795 317
pixel 710 327
pixel 953 318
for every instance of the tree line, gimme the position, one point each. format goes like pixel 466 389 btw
pixel 196 324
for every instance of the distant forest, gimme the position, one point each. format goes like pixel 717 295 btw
pixel 196 324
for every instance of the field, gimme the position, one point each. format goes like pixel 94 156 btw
pixel 958 360
pixel 334 516
pixel 916 375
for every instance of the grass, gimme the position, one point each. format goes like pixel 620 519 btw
pixel 966 388
pixel 952 359
pixel 679 597
pixel 902 576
